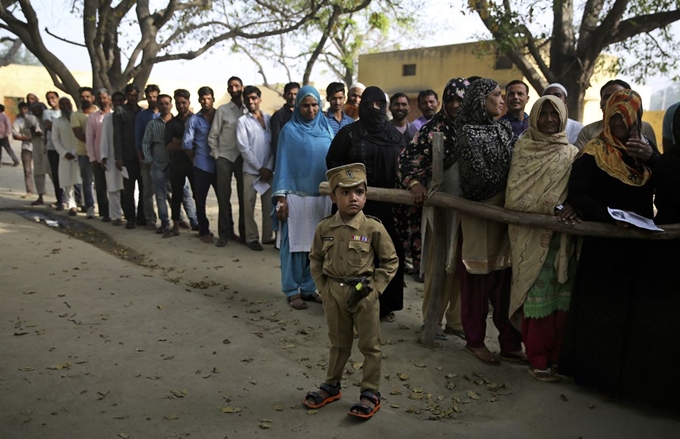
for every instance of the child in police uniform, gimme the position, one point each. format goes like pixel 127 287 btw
pixel 341 262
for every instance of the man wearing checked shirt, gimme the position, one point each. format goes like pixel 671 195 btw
pixel 158 156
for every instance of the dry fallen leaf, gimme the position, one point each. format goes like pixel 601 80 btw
pixel 265 426
pixel 472 394
pixel 171 418
pixel 312 412
pixel 123 435
pixel 419 365
pixel 357 366
pixel 26 368
pixel 230 409
pixel 402 376
pixel 61 366
pixel 226 341
pixel 395 391
pixel 278 407
pixel 439 367
pixel 415 396
pixel 394 406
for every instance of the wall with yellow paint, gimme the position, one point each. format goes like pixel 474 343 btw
pixel 434 66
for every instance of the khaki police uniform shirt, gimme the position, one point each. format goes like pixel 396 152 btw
pixel 348 250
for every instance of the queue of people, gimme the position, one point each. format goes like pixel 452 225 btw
pixel 587 308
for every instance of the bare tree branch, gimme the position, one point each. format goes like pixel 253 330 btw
pixel 8 57
pixel 48 32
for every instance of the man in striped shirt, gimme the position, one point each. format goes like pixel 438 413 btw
pixel 158 156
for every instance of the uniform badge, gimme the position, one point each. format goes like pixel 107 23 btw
pixel 327 238
pixel 350 175
pixel 360 238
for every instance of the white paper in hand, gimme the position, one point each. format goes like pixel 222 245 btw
pixel 124 172
pixel 261 186
pixel 633 219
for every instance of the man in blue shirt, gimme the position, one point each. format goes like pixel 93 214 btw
pixel 151 93
pixel 335 95
pixel 516 97
pixel 195 144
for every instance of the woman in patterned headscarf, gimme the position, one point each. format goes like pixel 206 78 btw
pixel 483 148
pixel 610 172
pixel 415 169
pixel 543 262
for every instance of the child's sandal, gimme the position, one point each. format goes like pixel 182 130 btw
pixel 334 394
pixel 362 411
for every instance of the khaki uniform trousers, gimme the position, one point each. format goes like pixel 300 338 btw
pixel 451 290
pixel 341 322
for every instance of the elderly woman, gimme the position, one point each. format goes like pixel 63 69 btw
pixel 611 171
pixel 300 168
pixel 543 262
pixel 376 143
pixel 484 147
pixel 415 168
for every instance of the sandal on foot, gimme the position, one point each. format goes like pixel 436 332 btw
pixel 494 361
pixel 388 318
pixel 514 357
pixel 296 302
pixel 363 411
pixel 334 394
pixel 311 297
pixel 544 375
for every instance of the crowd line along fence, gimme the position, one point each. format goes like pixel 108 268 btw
pixel 441 201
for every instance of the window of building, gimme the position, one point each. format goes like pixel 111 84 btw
pixel 503 63
pixel 408 70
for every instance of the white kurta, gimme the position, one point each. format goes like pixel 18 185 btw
pixel 304 214
pixel 114 178
pixel 65 141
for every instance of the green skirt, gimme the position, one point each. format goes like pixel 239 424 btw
pixel 547 295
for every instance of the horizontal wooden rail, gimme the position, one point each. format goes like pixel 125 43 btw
pixel 481 210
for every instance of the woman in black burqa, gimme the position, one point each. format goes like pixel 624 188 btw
pixel 375 142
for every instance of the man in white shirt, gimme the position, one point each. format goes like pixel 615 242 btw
pixel 574 127
pixel 253 136
pixel 66 143
pixel 228 162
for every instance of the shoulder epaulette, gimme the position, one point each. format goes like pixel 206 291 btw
pixel 374 218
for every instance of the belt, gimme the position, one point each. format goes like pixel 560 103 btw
pixel 345 280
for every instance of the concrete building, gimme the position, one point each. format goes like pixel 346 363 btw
pixel 413 70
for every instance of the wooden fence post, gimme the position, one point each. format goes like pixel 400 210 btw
pixel 436 305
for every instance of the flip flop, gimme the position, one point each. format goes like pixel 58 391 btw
pixel 292 299
pixel 489 363
pixel 544 375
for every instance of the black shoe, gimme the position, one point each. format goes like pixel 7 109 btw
pixel 106 219
pixel 162 229
pixel 130 225
pixel 72 212
pixel 255 245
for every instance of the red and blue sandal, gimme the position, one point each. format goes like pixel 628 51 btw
pixel 362 411
pixel 334 394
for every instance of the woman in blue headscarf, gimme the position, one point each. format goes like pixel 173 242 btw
pixel 300 168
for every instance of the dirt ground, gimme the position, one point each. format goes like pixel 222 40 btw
pixel 112 333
